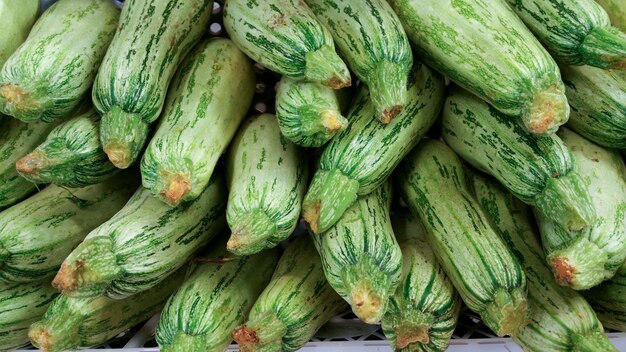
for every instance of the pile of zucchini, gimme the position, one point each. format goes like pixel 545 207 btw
pixel 439 153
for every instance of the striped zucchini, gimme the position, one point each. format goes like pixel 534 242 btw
pixel 361 257
pixel 537 169
pixel 609 300
pixel 488 277
pixel 141 244
pixel 616 11
pixel 370 37
pixel 20 305
pixel 583 260
pixel 310 114
pixel 208 98
pixel 213 301
pixel 561 319
pixel 71 155
pixel 360 158
pixel 70 323
pixel 151 40
pixel 52 72
pixel 485 48
pixel 285 36
pixel 16 20
pixel 267 177
pixel 423 312
pixel 37 234
pixel 598 101
pixel 575 32
pixel 295 304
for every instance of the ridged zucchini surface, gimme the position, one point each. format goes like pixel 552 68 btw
pixel 609 300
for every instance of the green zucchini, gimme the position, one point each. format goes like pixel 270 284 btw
pixel 310 114
pixel 213 301
pixel 616 11
pixel 485 48
pixel 52 72
pixel 585 259
pixel 598 101
pixel 141 244
pixel 488 277
pixel 371 39
pixel 285 36
pixel 20 305
pixel 423 312
pixel 575 32
pixel 361 257
pixel 295 304
pixel 360 158
pixel 267 177
pixel 609 300
pixel 16 20
pixel 561 319
pixel 537 169
pixel 151 40
pixel 208 98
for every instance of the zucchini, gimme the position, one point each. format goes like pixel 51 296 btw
pixel 310 114
pixel 285 36
pixel 370 38
pixel 423 312
pixel 616 11
pixel 295 304
pixel 213 301
pixel 609 300
pixel 141 244
pixel 267 177
pixel 52 72
pixel 585 259
pixel 208 98
pixel 575 32
pixel 151 40
pixel 537 169
pixel 488 277
pixel 361 258
pixel 16 20
pixel 561 319
pixel 360 158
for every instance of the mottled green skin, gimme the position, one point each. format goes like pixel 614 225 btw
pixel 598 101
pixel 361 256
pixel 208 98
pixel 20 305
pixel 360 158
pixel 561 319
pixel 213 301
pixel 143 243
pixel 54 69
pixel 538 169
pixel 265 174
pixel 152 39
pixel 575 32
pixel 423 312
pixel 596 253
pixel 609 300
pixel 16 20
pixel 616 10
pixel 491 281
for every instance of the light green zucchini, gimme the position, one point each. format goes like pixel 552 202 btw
pixel 285 36
pixel 609 300
pixel 267 177
pixel 52 72
pixel 491 281
pixel 151 40
pixel 16 20
pixel 295 304
pixel 360 158
pixel 616 11
pixel 537 169
pixel 208 98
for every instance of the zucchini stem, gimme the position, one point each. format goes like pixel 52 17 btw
pixel 326 67
pixel 267 332
pixel 388 86
pixel 508 313
pixel 122 135
pixel 593 341
pixel 251 232
pixel 580 264
pixel 31 163
pixel 605 47
pixel 177 188
pixel 58 332
pixel 548 110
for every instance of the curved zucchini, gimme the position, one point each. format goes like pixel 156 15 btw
pixel 294 305
pixel 537 169
pixel 16 20
pixel 616 11
pixel 488 277
pixel 151 40
pixel 143 243
pixel 609 300
pixel 52 72
pixel 285 36
pixel 208 98
pixel 370 37
pixel 360 158
pixel 267 177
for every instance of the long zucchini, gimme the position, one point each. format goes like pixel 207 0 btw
pixel 616 11
pixel 609 300
pixel 16 20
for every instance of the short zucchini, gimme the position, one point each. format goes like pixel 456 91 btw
pixel 16 20
pixel 609 300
